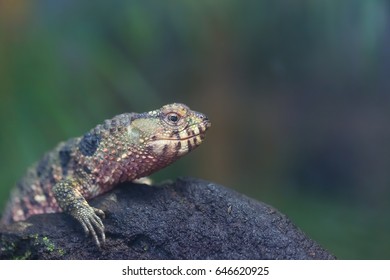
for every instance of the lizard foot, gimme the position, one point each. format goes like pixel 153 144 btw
pixel 90 219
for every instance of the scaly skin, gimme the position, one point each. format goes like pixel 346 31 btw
pixel 124 148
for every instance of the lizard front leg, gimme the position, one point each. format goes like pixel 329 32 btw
pixel 73 203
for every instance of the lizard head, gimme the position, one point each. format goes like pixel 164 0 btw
pixel 170 132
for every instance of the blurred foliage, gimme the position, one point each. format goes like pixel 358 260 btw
pixel 297 91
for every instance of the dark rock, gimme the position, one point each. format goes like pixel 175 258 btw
pixel 186 219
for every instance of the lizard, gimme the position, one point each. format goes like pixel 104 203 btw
pixel 126 147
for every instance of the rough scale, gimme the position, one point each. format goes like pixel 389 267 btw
pixel 124 148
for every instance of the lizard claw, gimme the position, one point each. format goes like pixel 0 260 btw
pixel 91 222
pixel 99 212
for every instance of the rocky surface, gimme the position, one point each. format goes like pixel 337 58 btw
pixel 185 219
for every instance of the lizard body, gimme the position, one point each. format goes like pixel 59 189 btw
pixel 124 148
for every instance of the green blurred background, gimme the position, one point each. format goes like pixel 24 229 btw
pixel 297 91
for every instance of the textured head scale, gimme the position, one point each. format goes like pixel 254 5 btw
pixel 131 146
pixel 170 132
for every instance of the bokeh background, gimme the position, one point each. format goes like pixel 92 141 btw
pixel 297 91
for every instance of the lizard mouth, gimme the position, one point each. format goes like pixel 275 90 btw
pixel 181 142
pixel 190 132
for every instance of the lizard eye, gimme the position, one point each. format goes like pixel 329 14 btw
pixel 173 118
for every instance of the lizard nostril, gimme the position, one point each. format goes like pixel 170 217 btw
pixel 203 117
